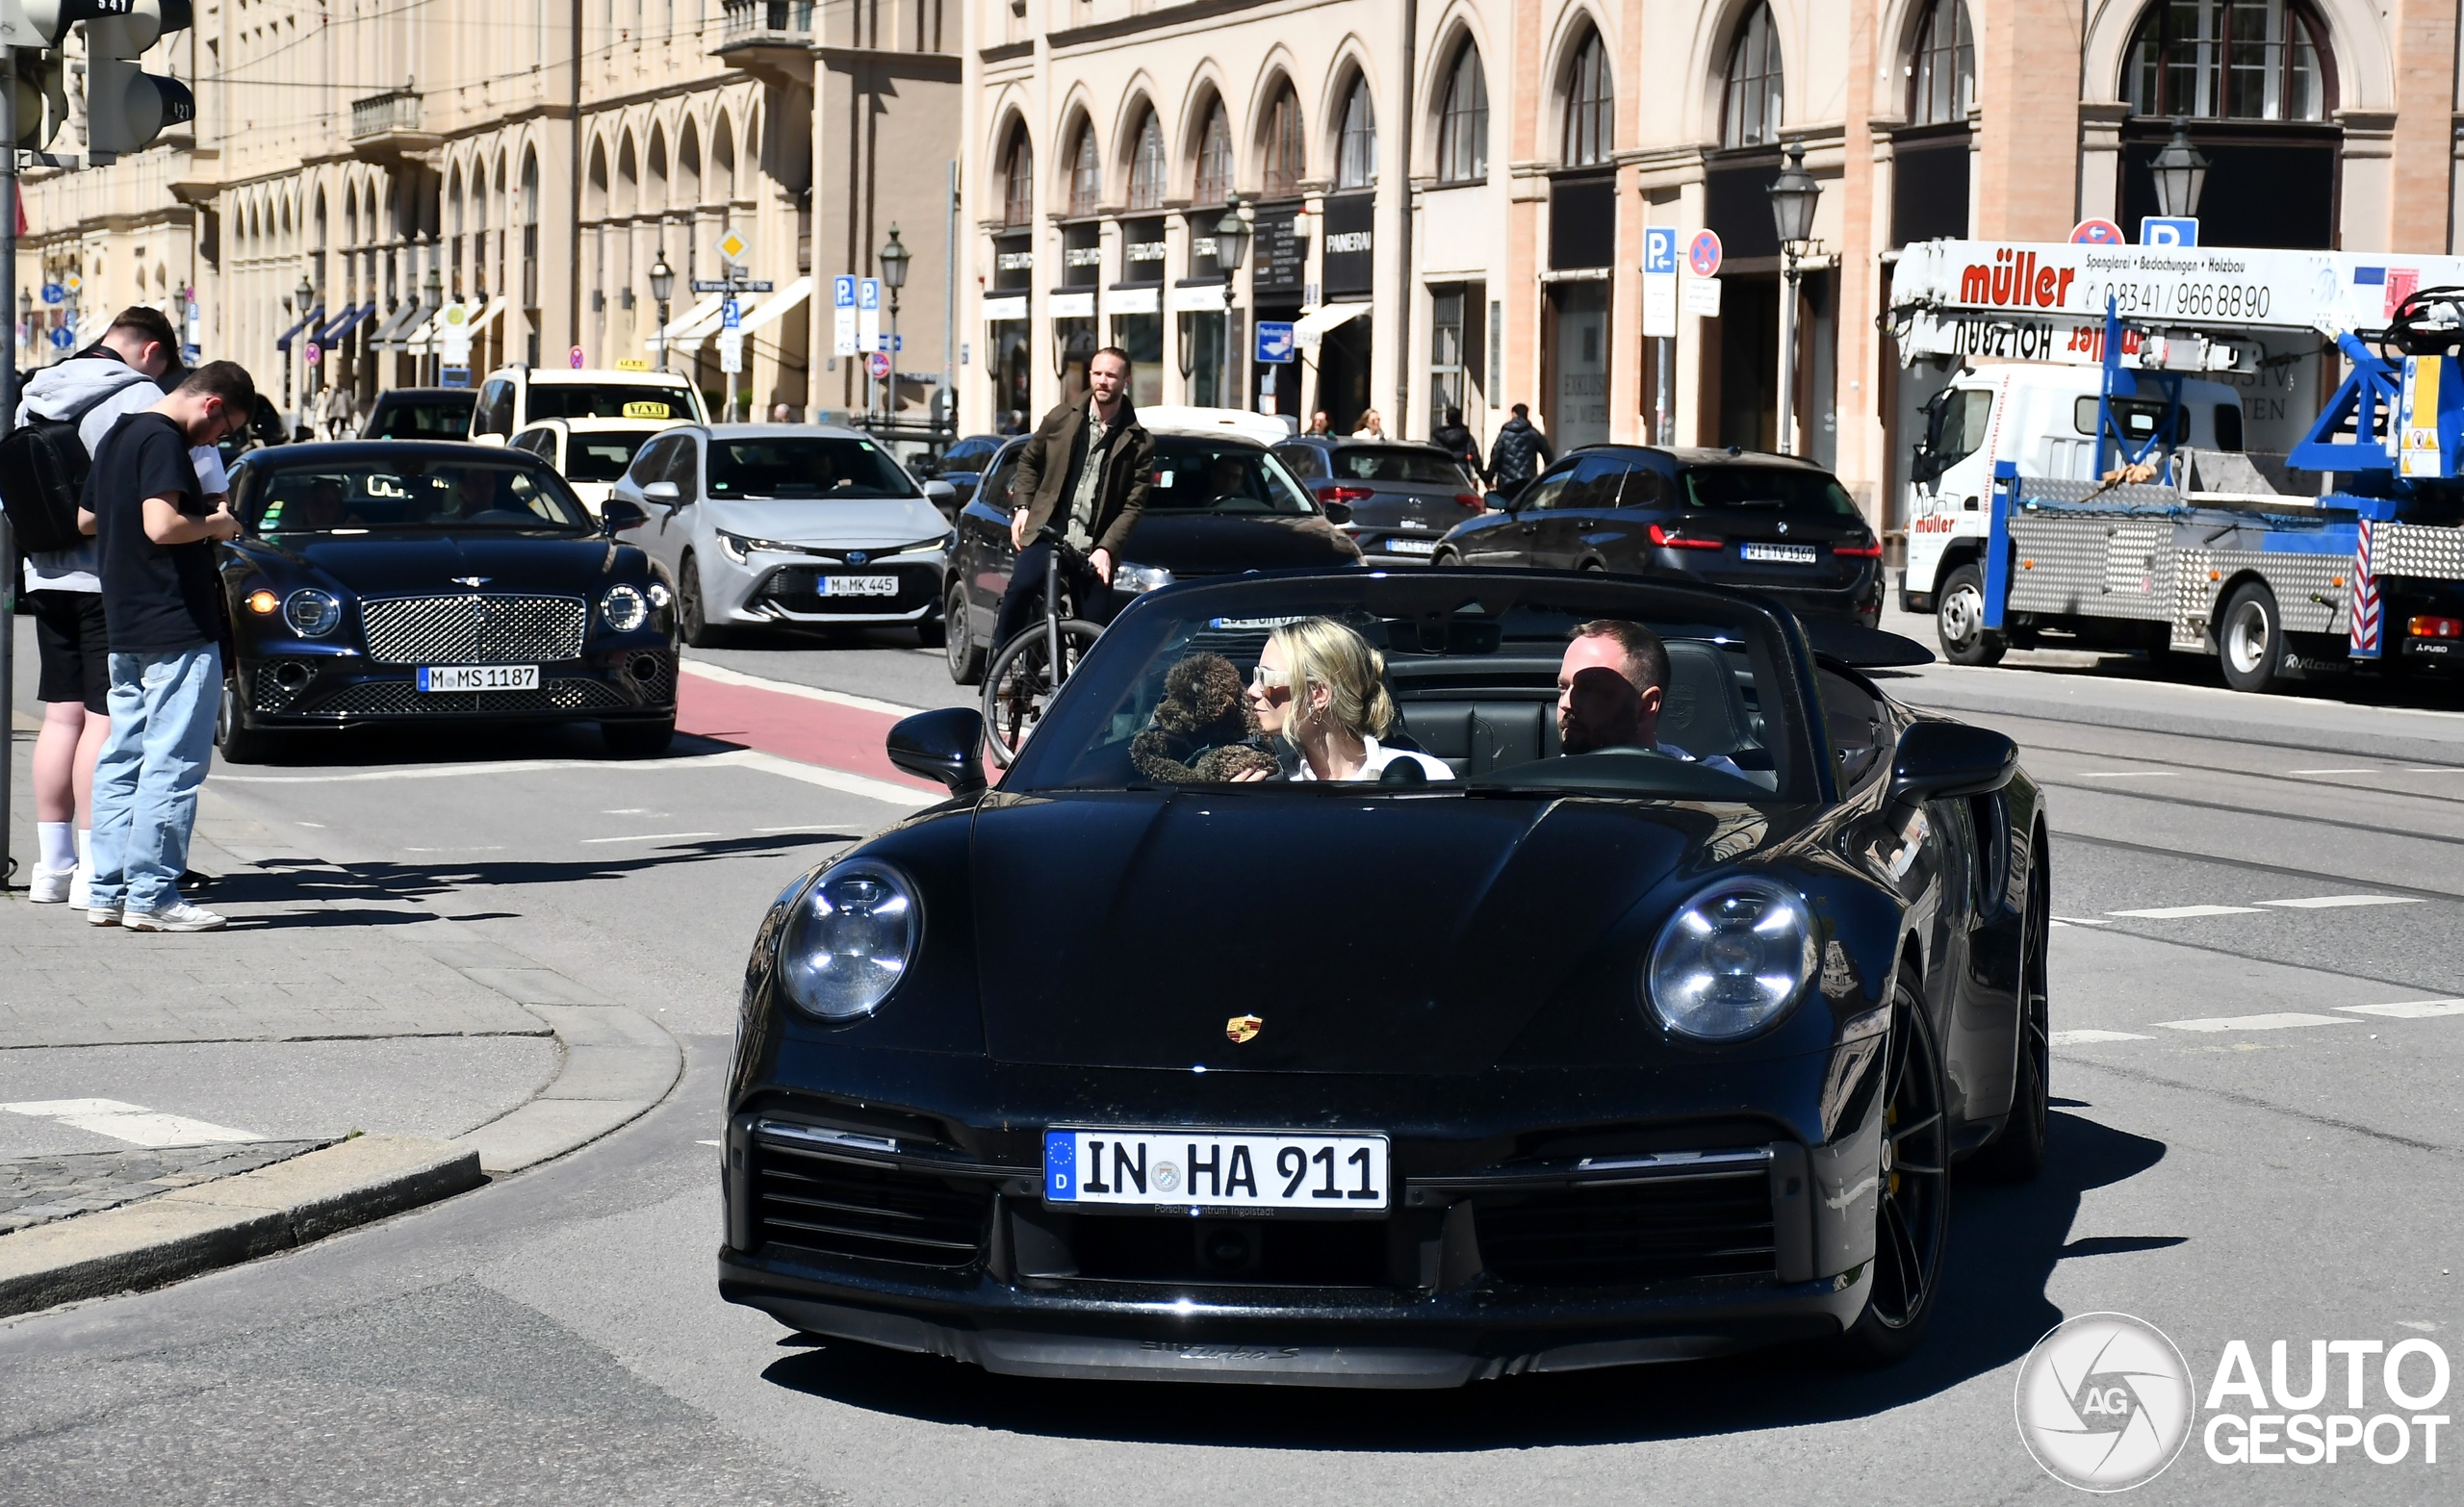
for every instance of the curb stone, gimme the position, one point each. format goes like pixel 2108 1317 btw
pixel 230 1221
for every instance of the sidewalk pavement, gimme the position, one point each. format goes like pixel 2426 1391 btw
pixel 173 1103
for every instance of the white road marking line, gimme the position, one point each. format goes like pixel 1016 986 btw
pixel 747 758
pixel 497 848
pixel 133 1123
pixel 2181 912
pixel 2079 921
pixel 2092 1037
pixel 2408 1009
pixel 2130 774
pixel 649 836
pixel 2431 769
pixel 2369 771
pixel 2335 902
pixel 2280 1020
pixel 710 1143
pixel 810 693
pixel 839 779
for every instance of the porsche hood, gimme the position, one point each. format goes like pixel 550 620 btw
pixel 1127 931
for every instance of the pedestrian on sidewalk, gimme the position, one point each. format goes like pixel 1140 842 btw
pixel 155 532
pixel 92 391
pixel 1370 426
pixel 1520 451
pixel 1457 442
pixel 1085 472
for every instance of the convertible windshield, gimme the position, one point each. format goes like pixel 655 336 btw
pixel 1193 688
pixel 610 400
pixel 818 467
pixel 1779 489
pixel 358 498
pixel 1218 476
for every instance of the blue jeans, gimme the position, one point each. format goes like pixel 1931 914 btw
pixel 145 782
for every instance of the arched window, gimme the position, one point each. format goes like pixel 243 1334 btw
pixel 1590 105
pixel 1942 66
pixel 1357 148
pixel 2236 60
pixel 1286 151
pixel 530 234
pixel 1752 117
pixel 1463 123
pixel 1085 172
pixel 1018 180
pixel 1147 166
pixel 1213 183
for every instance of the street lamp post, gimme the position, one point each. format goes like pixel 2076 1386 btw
pixel 893 258
pixel 662 287
pixel 432 298
pixel 1231 247
pixel 1793 194
pixel 304 298
pixel 2180 172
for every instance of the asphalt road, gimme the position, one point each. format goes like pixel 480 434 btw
pixel 2245 1148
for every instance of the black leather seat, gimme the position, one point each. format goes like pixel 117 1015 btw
pixel 1702 710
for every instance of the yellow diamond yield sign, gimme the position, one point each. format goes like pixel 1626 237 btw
pixel 734 246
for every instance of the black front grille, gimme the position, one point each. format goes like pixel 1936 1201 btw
pixel 473 630
pixel 403 699
pixel 851 1209
pixel 1327 1253
pixel 798 589
pixel 1632 1234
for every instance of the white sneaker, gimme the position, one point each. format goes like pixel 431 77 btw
pixel 78 879
pixel 102 915
pixel 49 886
pixel 178 916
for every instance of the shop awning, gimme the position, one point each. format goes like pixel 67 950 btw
pixel 480 321
pixel 282 342
pixel 689 338
pixel 706 309
pixel 786 299
pixel 1312 327
pixel 391 332
pixel 429 333
pixel 332 335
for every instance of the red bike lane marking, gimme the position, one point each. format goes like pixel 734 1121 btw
pixel 844 738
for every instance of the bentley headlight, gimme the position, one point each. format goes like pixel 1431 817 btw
pixel 1133 577
pixel 1731 960
pixel 312 613
pixel 849 941
pixel 624 608
pixel 658 594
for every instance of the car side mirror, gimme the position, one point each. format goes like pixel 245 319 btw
pixel 1498 501
pixel 1940 760
pixel 618 514
pixel 1336 512
pixel 664 493
pixel 941 494
pixel 941 746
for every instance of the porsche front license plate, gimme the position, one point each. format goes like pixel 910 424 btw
pixel 1779 553
pixel 478 677
pixel 859 585
pixel 1199 1170
pixel 1412 546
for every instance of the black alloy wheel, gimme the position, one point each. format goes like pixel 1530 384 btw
pixel 2249 639
pixel 2018 1153
pixel 1912 1214
pixel 958 644
pixel 239 743
pixel 1959 620
pixel 696 627
pixel 1445 557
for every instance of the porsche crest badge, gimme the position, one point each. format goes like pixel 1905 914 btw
pixel 1241 1027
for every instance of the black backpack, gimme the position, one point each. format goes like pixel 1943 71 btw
pixel 42 476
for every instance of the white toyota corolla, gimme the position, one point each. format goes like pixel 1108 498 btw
pixel 774 525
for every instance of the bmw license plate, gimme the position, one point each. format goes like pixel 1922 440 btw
pixel 1412 546
pixel 478 677
pixel 858 585
pixel 1206 1169
pixel 1779 553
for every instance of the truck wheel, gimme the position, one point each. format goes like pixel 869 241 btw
pixel 2249 637
pixel 1958 622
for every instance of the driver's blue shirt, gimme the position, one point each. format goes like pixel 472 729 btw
pixel 1719 761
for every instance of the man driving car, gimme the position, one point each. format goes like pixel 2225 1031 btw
pixel 1611 687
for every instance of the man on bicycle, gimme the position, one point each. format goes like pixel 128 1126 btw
pixel 1085 473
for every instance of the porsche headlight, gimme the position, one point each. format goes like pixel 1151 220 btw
pixel 312 613
pixel 1731 960
pixel 849 941
pixel 1132 578
pixel 624 608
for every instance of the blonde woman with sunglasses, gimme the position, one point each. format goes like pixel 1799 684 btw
pixel 1321 689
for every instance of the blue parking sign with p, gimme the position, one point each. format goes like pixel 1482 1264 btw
pixel 2161 231
pixel 1660 250
pixel 842 291
pixel 1275 342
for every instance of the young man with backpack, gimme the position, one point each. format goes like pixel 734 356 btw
pixel 155 532
pixel 66 409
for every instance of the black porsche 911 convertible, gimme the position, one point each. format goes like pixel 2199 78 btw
pixel 428 582
pixel 1657 1050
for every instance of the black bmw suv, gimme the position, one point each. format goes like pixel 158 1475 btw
pixel 1736 518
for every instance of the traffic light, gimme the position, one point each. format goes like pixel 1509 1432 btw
pixel 126 108
pixel 34 32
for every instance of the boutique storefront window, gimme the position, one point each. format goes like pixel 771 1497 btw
pixel 1136 306
pixel 1073 305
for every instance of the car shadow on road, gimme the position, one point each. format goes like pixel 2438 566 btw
pixel 2005 1244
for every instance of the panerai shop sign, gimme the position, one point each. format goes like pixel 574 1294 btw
pixel 2106 1402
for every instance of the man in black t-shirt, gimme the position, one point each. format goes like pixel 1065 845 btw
pixel 155 536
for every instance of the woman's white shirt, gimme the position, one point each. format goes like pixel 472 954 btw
pixel 1377 756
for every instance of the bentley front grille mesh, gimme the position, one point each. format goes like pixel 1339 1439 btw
pixel 473 630
pixel 402 698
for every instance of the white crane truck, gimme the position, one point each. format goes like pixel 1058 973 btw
pixel 2094 486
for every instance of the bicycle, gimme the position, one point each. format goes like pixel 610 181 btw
pixel 1022 681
